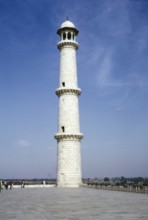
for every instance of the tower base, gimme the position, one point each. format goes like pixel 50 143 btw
pixel 69 185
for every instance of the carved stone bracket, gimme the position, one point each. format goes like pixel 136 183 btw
pixel 61 137
pixel 62 91
pixel 68 43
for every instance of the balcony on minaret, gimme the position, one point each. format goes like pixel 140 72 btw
pixel 68 36
pixel 67 33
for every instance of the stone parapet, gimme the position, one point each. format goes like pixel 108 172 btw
pixel 68 43
pixel 119 188
pixel 61 91
pixel 60 137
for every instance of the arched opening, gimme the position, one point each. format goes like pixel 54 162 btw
pixel 69 36
pixel 63 129
pixel 64 36
pixel 63 84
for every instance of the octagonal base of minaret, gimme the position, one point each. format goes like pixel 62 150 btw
pixel 69 172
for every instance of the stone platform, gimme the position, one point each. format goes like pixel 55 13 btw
pixel 72 204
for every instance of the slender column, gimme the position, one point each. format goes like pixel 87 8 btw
pixel 69 135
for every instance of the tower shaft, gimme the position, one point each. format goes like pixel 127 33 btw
pixel 68 136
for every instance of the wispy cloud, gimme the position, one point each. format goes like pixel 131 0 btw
pixel 105 70
pixel 23 143
pixel 107 78
pixel 116 52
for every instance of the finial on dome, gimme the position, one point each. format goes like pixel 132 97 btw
pixel 67 18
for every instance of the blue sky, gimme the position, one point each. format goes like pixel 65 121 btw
pixel 113 75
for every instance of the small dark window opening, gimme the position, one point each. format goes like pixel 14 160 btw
pixel 63 129
pixel 69 35
pixel 73 36
pixel 64 36
pixel 63 84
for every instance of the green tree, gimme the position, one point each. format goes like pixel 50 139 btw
pixel 145 182
pixel 106 179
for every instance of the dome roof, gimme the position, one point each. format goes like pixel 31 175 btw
pixel 67 23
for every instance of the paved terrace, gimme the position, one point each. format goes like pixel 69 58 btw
pixel 72 204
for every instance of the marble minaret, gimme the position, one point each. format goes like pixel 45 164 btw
pixel 69 136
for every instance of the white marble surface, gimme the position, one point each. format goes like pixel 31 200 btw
pixel 68 136
pixel 72 204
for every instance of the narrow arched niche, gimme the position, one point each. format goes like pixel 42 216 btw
pixel 69 36
pixel 64 36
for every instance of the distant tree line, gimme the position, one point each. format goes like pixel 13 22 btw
pixel 119 181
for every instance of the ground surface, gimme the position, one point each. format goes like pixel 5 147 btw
pixel 72 204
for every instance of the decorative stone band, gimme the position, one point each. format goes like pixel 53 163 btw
pixel 61 91
pixel 68 44
pixel 68 137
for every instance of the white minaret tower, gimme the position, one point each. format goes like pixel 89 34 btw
pixel 68 136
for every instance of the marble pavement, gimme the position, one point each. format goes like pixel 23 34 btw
pixel 72 204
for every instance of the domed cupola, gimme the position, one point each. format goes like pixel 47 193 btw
pixel 67 32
